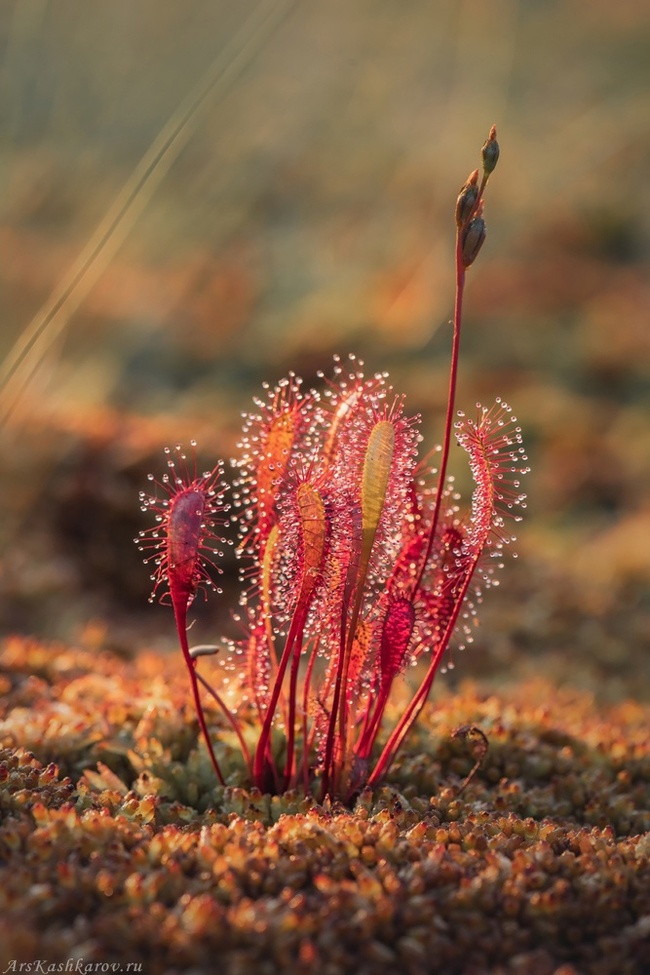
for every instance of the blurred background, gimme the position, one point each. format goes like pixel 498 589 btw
pixel 199 197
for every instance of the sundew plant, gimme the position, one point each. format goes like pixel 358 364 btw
pixel 357 560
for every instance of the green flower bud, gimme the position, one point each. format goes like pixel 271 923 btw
pixel 473 238
pixel 467 199
pixel 490 152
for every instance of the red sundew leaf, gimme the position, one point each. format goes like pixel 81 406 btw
pixel 188 514
pixel 346 400
pixel 276 452
pixel 304 536
pixel 396 633
pixel 184 530
pixel 497 461
pixel 359 656
pixel 436 600
pixel 396 630
pixel 405 566
pixel 183 542
pixel 344 409
pixel 377 468
pixel 375 464
pixel 294 570
pixel 271 440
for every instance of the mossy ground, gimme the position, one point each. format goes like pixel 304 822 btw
pixel 117 846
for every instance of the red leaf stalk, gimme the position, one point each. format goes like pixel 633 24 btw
pixel 188 513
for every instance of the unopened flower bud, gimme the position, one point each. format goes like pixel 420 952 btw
pixel 467 199
pixel 473 238
pixel 490 152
